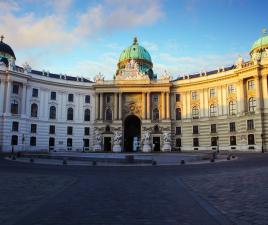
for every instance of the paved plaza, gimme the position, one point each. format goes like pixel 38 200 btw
pixel 230 192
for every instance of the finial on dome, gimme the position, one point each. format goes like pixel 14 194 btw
pixel 264 31
pixel 135 40
pixel 2 38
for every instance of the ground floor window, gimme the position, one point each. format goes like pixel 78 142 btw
pixel 196 142
pixel 69 142
pixel 14 140
pixel 86 143
pixel 15 126
pixel 178 131
pixel 214 141
pixel 251 139
pixel 33 141
pixel 51 142
pixel 232 140
pixel 178 142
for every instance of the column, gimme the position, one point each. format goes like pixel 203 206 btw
pixel 7 100
pixel 201 109
pixel 240 97
pixel 220 104
pixel 148 108
pixel 206 102
pixel 224 100
pixel 120 106
pixel 188 109
pixel 23 100
pixel 97 106
pixel 167 106
pixel 101 106
pixel 264 91
pixel 115 106
pixel 258 94
pixel 2 96
pixel 184 105
pixel 143 105
pixel 163 105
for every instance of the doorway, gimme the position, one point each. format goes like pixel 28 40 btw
pixel 132 129
pixel 107 144
pixel 156 144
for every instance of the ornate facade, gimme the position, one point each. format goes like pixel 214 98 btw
pixel 225 109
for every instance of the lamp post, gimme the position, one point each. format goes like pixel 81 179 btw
pixel 262 147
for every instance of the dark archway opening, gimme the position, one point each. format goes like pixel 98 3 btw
pixel 132 129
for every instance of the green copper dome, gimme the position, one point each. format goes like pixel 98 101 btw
pixel 260 43
pixel 135 51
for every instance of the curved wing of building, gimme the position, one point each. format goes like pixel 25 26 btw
pixel 223 109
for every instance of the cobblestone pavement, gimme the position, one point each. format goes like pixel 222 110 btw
pixel 223 193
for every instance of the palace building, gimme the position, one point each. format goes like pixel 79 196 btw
pixel 222 109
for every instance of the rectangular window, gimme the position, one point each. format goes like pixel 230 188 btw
pixel 86 131
pixel 86 143
pixel 52 129
pixel 108 98
pixel 15 89
pixel 231 89
pixel 178 97
pixel 232 140
pixel 69 142
pixel 14 140
pixel 251 84
pixel 70 97
pixel 250 124
pixel 195 142
pixel 15 126
pixel 178 130
pixel 35 93
pixel 33 141
pixel 214 141
pixel 213 128
pixel 212 92
pixel 178 142
pixel 33 128
pixel 155 98
pixel 195 129
pixel 53 95
pixel 70 130
pixel 194 95
pixel 232 126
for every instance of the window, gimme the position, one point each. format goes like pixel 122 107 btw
pixel 155 98
pixel 178 97
pixel 178 114
pixel 15 89
pixel 195 112
pixel 51 142
pixel 251 84
pixel 108 98
pixel 87 115
pixel 15 126
pixel 213 128
pixel 52 112
pixel 69 130
pixel 14 107
pixel 52 129
pixel 232 140
pixel 213 110
pixel 251 139
pixel 70 114
pixel 252 104
pixel 86 131
pixel 69 142
pixel 33 128
pixel 231 89
pixel 195 129
pixel 87 99
pixel 178 131
pixel 214 141
pixel 250 124
pixel 34 110
pixel 35 93
pixel 232 126
pixel 53 95
pixel 194 95
pixel 108 114
pixel 195 142
pixel 156 128
pixel 70 97
pixel 178 142
pixel 107 129
pixel 14 140
pixel 212 92
pixel 232 108
pixel 155 114
pixel 86 143
pixel 33 141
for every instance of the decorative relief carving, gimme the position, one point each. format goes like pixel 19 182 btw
pixel 213 100
pixel 231 97
pixel 132 104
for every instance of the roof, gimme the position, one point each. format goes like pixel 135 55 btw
pixel 260 43
pixel 6 49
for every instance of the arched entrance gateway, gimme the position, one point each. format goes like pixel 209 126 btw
pixel 132 130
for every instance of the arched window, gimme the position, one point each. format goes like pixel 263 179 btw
pixel 232 108
pixel 195 112
pixel 178 114
pixel 252 104
pixel 213 110
pixel 52 112
pixel 108 114
pixel 156 128
pixel 87 115
pixel 70 114
pixel 14 107
pixel 251 139
pixel 34 110
pixel 107 129
pixel 87 99
pixel 155 114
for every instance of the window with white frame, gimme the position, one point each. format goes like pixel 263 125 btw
pixel 194 95
pixel 252 104
pixel 212 92
pixel 232 108
pixel 251 84
pixel 213 110
pixel 231 88
pixel 195 112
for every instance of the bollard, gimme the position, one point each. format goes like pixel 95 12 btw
pixel 182 162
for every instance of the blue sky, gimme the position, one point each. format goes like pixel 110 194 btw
pixel 86 37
